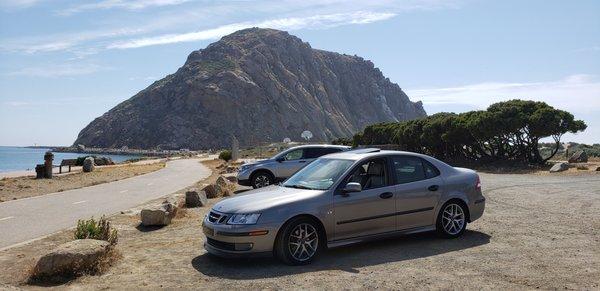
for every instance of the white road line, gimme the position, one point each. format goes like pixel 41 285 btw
pixel 123 191
pixel 79 202
pixel 7 218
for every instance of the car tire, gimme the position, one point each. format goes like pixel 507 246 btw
pixel 299 242
pixel 261 179
pixel 452 219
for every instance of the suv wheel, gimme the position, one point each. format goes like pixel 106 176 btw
pixel 262 179
pixel 298 242
pixel 452 222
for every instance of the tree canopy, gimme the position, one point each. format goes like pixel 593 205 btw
pixel 509 131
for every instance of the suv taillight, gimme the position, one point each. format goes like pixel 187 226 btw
pixel 478 183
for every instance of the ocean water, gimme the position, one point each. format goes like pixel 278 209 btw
pixel 18 158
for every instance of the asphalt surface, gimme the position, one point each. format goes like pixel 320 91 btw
pixel 30 218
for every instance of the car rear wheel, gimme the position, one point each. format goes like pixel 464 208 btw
pixel 262 179
pixel 299 242
pixel 452 220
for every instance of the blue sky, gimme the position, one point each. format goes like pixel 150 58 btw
pixel 64 63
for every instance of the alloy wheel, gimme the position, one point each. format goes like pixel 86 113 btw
pixel 303 242
pixel 262 180
pixel 453 219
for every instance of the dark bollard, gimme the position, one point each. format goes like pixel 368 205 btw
pixel 48 157
pixel 40 170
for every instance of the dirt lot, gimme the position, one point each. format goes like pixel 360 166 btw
pixel 537 232
pixel 22 187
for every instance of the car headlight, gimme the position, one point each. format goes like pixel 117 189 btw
pixel 245 167
pixel 250 218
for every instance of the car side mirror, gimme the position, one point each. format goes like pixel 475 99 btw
pixel 280 159
pixel 352 187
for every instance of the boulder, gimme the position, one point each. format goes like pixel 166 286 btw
pixel 224 187
pixel 88 165
pixel 597 168
pixel 559 167
pixel 211 191
pixel 103 161
pixel 73 258
pixel 195 198
pixel 159 215
pixel 579 157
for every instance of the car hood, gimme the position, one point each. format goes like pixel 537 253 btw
pixel 259 200
pixel 256 163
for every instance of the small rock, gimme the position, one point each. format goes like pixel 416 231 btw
pixel 579 157
pixel 88 165
pixel 211 191
pixel 72 258
pixel 158 215
pixel 195 198
pixel 597 168
pixel 559 167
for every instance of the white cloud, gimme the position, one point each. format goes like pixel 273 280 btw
pixel 60 70
pixel 124 4
pixel 576 93
pixel 291 23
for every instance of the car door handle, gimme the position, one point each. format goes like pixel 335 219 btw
pixel 433 188
pixel 386 195
pixel 301 161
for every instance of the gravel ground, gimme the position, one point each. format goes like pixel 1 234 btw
pixel 537 232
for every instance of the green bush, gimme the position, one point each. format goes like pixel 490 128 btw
pixel 506 131
pixel 225 155
pixel 92 229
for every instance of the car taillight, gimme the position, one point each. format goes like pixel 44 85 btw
pixel 478 184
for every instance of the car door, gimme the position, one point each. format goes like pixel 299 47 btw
pixel 417 191
pixel 291 163
pixel 370 211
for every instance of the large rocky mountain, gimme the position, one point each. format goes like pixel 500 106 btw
pixel 260 85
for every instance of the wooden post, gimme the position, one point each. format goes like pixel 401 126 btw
pixel 48 157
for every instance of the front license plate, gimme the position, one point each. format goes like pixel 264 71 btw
pixel 208 231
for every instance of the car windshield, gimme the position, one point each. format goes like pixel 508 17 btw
pixel 318 175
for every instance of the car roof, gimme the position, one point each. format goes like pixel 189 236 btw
pixel 320 146
pixel 358 154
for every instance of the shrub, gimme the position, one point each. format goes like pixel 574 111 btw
pixel 506 131
pixel 225 155
pixel 92 229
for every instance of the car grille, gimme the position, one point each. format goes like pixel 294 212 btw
pixel 215 217
pixel 220 244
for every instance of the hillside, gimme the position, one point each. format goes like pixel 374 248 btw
pixel 261 85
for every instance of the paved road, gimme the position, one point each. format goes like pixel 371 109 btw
pixel 26 219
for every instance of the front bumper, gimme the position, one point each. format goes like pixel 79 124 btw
pixel 243 177
pixel 226 240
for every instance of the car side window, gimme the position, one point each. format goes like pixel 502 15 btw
pixel 430 170
pixel 312 153
pixel 408 169
pixel 294 155
pixel 370 174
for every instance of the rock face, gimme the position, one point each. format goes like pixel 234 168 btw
pixel 259 85
pixel 559 167
pixel 579 157
pixel 72 258
pixel 88 165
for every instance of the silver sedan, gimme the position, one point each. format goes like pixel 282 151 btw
pixel 345 198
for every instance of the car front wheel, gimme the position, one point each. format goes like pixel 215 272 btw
pixel 298 242
pixel 452 220
pixel 262 179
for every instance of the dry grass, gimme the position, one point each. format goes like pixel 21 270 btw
pixel 23 187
